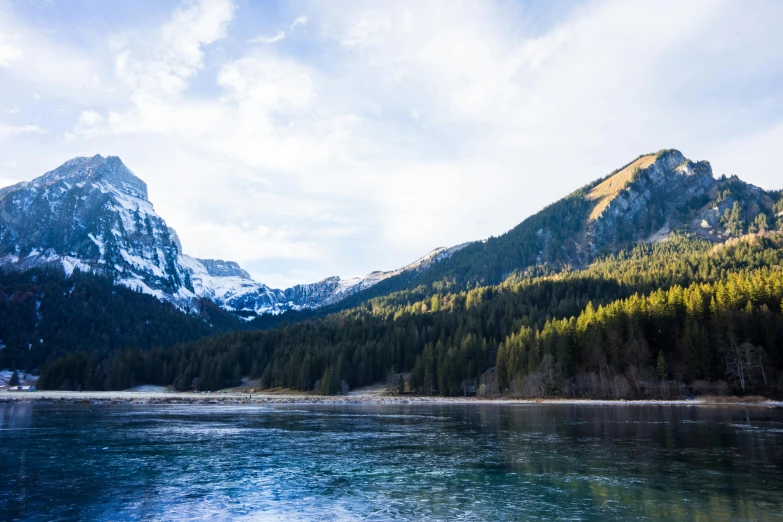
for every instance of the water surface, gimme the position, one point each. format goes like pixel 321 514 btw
pixel 389 462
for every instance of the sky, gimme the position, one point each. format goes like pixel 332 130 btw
pixel 311 139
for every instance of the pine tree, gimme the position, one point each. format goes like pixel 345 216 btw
pixel 237 375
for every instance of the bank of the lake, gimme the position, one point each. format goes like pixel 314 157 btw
pixel 232 398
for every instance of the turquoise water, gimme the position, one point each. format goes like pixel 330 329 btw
pixel 389 462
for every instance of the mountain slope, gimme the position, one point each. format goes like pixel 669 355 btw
pixel 642 201
pixel 44 314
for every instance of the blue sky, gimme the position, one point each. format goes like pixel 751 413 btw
pixel 309 139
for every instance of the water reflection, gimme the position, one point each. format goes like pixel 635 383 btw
pixel 490 462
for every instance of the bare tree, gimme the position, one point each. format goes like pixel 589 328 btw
pixel 745 363
pixel 548 374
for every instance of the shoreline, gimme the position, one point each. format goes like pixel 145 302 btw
pixel 233 398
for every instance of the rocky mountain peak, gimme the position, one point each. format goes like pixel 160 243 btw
pixel 110 170
pixel 91 213
pixel 220 268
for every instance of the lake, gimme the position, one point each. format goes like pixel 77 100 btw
pixel 389 462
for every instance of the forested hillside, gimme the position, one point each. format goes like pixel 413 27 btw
pixel 44 314
pixel 644 199
pixel 682 313
pixel 593 295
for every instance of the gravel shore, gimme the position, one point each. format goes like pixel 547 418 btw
pixel 140 397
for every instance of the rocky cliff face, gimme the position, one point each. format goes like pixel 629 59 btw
pixel 91 214
pixel 663 192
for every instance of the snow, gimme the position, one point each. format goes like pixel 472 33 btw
pixel 98 242
pixel 25 379
pixel 141 263
pixel 346 287
pixel 225 290
pixel 138 285
pixel 347 284
pixel 71 263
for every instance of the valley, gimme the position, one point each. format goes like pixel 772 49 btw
pixel 658 281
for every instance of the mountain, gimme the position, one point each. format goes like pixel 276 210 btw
pixel 657 280
pixel 93 214
pixel 642 201
pixel 333 289
pixel 231 287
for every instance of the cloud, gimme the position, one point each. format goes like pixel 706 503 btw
pixel 32 56
pixel 302 20
pixel 8 131
pixel 162 70
pixel 9 52
pixel 268 39
pixel 397 127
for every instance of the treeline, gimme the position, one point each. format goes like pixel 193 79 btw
pixel 450 341
pixel 728 330
pixel 45 315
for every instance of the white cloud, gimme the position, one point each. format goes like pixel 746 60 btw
pixel 162 70
pixel 408 125
pixel 9 52
pixel 279 35
pixel 230 241
pixel 55 69
pixel 7 131
pixel 268 39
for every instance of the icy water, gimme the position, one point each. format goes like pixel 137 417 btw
pixel 389 462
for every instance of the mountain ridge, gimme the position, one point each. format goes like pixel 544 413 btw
pixel 563 235
pixel 93 214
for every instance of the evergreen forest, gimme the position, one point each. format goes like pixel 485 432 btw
pixel 679 317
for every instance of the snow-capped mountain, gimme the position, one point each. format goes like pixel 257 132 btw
pixel 93 214
pixel 334 289
pixel 231 287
